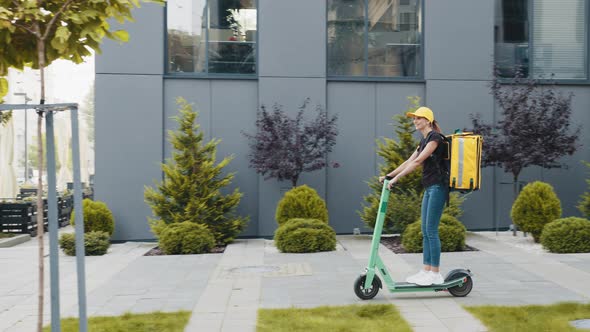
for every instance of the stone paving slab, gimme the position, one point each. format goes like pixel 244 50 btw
pixel 225 291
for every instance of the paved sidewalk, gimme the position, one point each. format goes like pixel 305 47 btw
pixel 224 291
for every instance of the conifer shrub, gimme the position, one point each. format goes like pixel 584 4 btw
pixel 305 235
pixel 186 238
pixel 402 210
pixel 195 184
pixel 536 205
pixel 97 217
pixel 301 202
pixel 96 243
pixel 567 235
pixel 584 203
pixel 451 232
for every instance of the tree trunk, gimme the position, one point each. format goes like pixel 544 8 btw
pixel 40 211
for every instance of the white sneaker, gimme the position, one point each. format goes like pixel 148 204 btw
pixel 436 278
pixel 412 279
pixel 424 279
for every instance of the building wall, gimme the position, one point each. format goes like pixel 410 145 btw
pixel 134 102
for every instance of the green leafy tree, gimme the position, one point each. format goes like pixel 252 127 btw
pixel 394 153
pixel 37 32
pixel 584 204
pixel 191 190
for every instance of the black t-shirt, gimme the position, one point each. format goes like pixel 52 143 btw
pixel 432 167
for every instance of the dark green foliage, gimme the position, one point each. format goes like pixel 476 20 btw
pixel 193 183
pixel 97 217
pixel 305 235
pixel 96 243
pixel 402 210
pixel 301 202
pixel 584 204
pixel 536 205
pixel 567 235
pixel 451 233
pixel 185 238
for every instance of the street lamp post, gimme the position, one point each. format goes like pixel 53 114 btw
pixel 27 99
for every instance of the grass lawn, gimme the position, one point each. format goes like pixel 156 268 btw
pixel 554 318
pixel 5 235
pixel 152 322
pixel 353 318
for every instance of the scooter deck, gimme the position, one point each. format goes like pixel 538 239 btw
pixel 410 287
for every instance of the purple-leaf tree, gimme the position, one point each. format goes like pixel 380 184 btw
pixel 284 147
pixel 534 129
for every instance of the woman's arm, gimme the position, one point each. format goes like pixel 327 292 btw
pixel 414 163
pixel 404 164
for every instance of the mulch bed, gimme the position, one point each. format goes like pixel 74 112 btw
pixel 394 243
pixel 158 252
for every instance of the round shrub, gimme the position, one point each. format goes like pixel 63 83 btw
pixel 535 206
pixel 301 202
pixel 450 230
pixel 567 235
pixel 95 243
pixel 97 217
pixel 305 235
pixel 186 238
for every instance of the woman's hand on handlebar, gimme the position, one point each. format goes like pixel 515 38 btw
pixel 391 183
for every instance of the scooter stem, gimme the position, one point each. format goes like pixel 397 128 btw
pixel 373 257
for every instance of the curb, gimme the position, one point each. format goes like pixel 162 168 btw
pixel 13 241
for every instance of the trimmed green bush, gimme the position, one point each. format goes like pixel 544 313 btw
pixel 186 238
pixel 95 243
pixel 451 232
pixel 301 202
pixel 305 235
pixel 535 206
pixel 97 217
pixel 567 235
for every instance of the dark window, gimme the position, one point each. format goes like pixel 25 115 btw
pixel 212 36
pixel 549 41
pixel 378 38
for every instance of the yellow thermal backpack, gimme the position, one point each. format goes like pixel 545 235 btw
pixel 463 159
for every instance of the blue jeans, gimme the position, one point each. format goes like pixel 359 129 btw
pixel 433 204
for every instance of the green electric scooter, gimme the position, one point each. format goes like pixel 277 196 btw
pixel 458 282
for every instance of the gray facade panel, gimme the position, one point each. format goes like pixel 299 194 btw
pixel 234 105
pixel 452 102
pixel 144 53
pixel 289 92
pixel 128 148
pixel 458 39
pixel 568 181
pixel 354 151
pixel 292 38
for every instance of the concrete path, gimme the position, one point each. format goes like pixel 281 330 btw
pixel 224 291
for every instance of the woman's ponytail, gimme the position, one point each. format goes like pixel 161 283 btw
pixel 436 127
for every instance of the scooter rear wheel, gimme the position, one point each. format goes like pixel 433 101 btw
pixel 464 290
pixel 364 293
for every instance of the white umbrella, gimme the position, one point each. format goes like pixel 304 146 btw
pixel 63 133
pixel 8 188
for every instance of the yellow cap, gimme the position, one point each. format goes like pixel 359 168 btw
pixel 423 112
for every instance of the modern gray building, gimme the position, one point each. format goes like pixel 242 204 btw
pixel 359 59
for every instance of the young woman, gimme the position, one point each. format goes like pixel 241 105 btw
pixel 429 154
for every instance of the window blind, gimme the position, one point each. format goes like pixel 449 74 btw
pixel 560 39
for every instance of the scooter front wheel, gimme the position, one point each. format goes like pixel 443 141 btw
pixel 366 293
